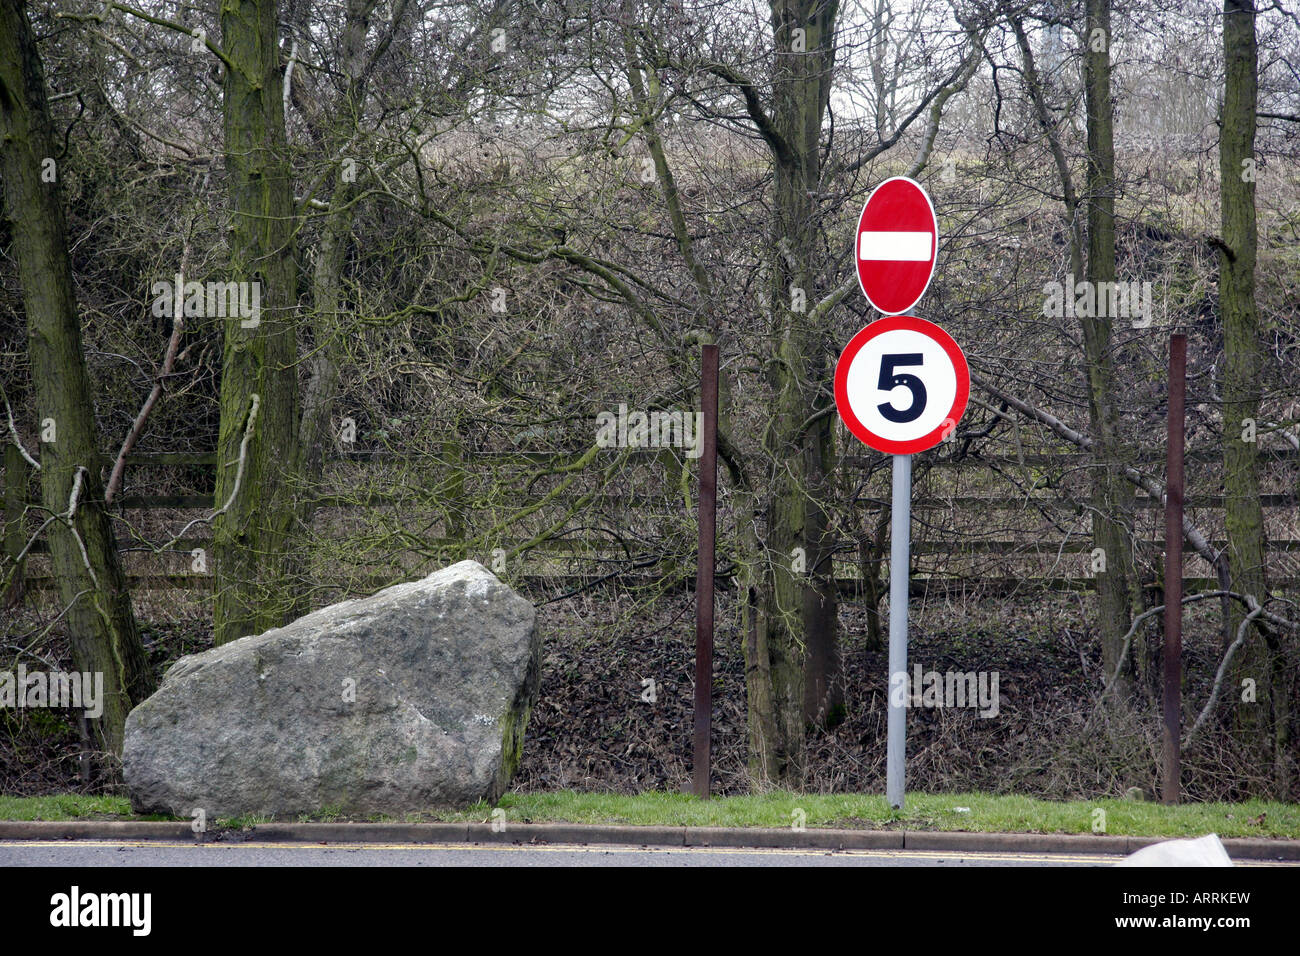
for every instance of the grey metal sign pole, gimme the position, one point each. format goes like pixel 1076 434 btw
pixel 900 553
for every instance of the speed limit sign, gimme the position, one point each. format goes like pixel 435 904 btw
pixel 901 385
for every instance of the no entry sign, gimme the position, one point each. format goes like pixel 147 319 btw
pixel 901 385
pixel 898 238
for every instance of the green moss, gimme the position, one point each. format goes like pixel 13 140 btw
pixel 512 724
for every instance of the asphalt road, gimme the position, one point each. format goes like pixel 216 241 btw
pixel 156 853
pixel 112 853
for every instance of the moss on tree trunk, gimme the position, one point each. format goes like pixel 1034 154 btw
pixel 259 355
pixel 101 625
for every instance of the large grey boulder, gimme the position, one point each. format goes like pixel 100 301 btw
pixel 415 697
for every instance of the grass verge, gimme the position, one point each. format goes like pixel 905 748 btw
pixel 973 812
pixel 70 806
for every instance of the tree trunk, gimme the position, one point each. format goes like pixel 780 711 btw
pixel 1112 518
pixel 823 684
pixel 321 393
pixel 1243 511
pixel 259 390
pixel 1112 505
pixel 331 255
pixel 100 621
pixel 789 613
pixel 794 617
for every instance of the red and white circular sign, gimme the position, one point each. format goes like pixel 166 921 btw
pixel 897 241
pixel 901 385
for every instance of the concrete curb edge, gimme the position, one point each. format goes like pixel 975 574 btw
pixel 575 833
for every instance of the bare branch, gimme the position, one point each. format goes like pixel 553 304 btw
pixel 137 427
pixel 156 21
pixel 255 401
pixel 754 107
pixel 940 100
pixel 1150 485
pixel 1242 628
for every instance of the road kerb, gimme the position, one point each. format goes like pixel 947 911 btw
pixel 815 838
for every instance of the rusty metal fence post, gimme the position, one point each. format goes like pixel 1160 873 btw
pixel 704 572
pixel 1171 778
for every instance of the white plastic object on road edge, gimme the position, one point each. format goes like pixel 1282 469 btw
pixel 1204 851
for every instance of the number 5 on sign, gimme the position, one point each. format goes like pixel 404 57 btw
pixel 901 385
pixel 889 380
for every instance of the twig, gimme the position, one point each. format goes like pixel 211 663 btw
pixel 73 500
pixel 137 427
pixel 13 431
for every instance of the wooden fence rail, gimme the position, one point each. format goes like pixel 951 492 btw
pixel 932 543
